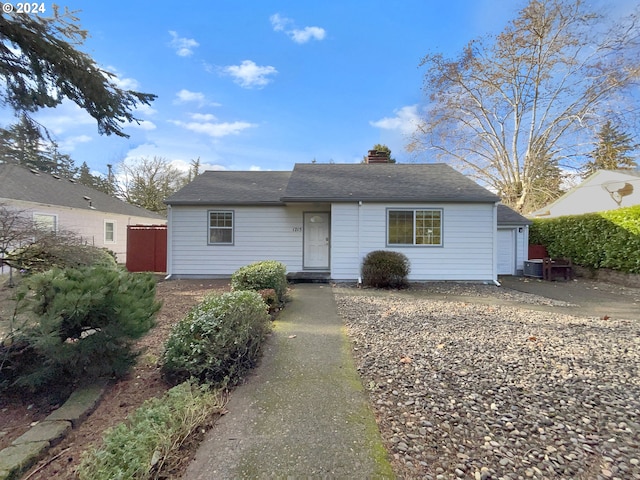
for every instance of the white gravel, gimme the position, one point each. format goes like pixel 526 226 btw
pixel 480 391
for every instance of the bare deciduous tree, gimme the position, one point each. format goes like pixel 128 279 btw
pixel 146 182
pixel 515 110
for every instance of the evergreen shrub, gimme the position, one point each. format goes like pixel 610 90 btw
pixel 82 325
pixel 218 340
pixel 385 269
pixel 260 276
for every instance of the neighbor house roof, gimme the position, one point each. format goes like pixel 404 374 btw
pixel 508 216
pixel 434 182
pixel 19 183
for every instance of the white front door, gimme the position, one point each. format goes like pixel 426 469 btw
pixel 506 251
pixel 316 240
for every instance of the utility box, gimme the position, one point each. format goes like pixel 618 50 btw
pixel 533 268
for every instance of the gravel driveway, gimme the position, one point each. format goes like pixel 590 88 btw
pixel 480 382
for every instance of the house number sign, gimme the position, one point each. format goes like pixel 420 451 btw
pixel 297 229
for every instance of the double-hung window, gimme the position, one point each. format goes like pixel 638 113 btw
pixel 109 231
pixel 221 227
pixel 414 227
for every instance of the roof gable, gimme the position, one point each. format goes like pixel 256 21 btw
pixel 19 183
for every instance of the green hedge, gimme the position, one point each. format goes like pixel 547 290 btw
pixel 608 239
pixel 219 340
pixel 261 276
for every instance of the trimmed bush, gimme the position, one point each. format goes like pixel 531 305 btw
pixel 385 269
pixel 261 276
pixel 219 340
pixel 594 240
pixel 152 437
pixel 83 323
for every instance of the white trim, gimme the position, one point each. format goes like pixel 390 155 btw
pixel 113 233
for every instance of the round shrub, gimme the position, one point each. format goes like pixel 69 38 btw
pixel 218 340
pixel 261 276
pixel 385 269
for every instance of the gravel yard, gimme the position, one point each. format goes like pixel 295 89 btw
pixel 493 391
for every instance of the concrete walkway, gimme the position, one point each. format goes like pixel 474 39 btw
pixel 303 412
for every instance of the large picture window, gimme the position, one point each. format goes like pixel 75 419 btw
pixel 221 227
pixel 414 227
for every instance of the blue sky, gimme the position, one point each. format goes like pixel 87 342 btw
pixel 257 84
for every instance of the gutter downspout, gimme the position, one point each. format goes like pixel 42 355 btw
pixel 169 244
pixel 494 266
pixel 359 252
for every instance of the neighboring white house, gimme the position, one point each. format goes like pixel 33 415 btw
pixel 601 191
pixel 63 204
pixel 322 219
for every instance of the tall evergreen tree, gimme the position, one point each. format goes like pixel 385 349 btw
pixel 41 66
pixel 24 143
pixel 612 152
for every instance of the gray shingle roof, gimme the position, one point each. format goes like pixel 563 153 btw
pixel 508 216
pixel 435 182
pixel 232 188
pixel 426 182
pixel 19 183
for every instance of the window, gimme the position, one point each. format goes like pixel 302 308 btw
pixel 220 227
pixel 414 227
pixel 109 231
pixel 46 222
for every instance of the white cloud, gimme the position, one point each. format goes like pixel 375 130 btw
pixel 183 46
pixel 279 22
pixel 405 121
pixel 184 166
pixel 122 82
pixel 303 36
pixel 143 125
pixel 215 130
pixel 250 75
pixel 203 117
pixel 255 168
pixel 184 96
pixel 69 144
pixel 298 35
pixel 145 110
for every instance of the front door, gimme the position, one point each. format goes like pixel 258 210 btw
pixel 316 240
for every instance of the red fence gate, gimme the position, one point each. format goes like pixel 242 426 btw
pixel 147 248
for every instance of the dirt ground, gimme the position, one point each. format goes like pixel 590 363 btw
pixel 121 398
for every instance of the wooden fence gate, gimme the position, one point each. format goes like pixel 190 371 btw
pixel 147 248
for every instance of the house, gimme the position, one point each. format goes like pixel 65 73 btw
pixel 63 204
pixel 322 219
pixel 603 190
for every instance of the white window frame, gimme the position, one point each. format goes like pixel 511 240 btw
pixel 231 228
pixel 414 230
pixel 53 216
pixel 113 240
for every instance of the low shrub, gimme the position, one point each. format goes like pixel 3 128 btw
pixel 219 340
pixel 149 441
pixel 385 269
pixel 260 276
pixel 82 325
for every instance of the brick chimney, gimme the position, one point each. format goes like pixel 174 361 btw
pixel 377 156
